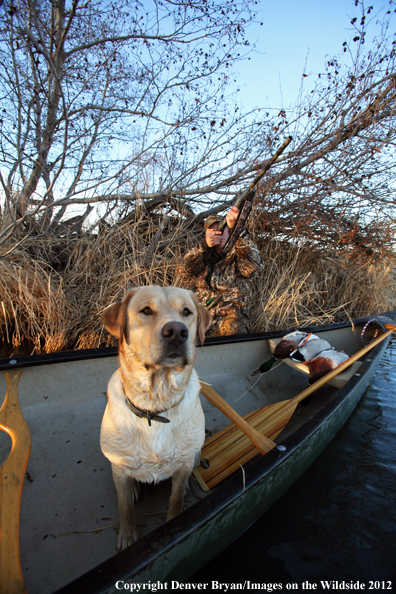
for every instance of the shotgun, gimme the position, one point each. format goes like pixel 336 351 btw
pixel 244 203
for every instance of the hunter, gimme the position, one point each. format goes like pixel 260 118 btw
pixel 223 282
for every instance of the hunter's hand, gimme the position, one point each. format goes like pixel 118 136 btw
pixel 232 216
pixel 216 239
pixel 213 237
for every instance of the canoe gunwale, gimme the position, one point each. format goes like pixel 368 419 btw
pixel 128 564
pixel 23 361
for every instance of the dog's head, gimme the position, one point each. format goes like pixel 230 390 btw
pixel 159 325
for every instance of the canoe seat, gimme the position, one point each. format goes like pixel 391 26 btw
pixel 337 382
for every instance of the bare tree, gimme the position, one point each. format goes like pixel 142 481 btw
pixel 125 105
pixel 337 187
pixel 102 102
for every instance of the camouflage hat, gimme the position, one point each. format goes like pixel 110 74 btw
pixel 212 219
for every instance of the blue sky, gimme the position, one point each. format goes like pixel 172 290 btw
pixel 294 32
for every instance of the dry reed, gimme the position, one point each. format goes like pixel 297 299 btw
pixel 53 291
pixel 300 288
pixel 33 305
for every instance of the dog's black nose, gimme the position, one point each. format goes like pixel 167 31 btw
pixel 175 332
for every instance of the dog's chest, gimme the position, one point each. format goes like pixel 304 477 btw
pixel 157 444
pixel 151 454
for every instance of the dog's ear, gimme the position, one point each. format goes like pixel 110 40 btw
pixel 111 319
pixel 113 316
pixel 204 319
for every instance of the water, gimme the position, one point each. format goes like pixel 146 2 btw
pixel 338 522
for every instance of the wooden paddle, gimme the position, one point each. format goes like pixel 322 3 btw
pixel 230 448
pixel 224 452
pixel 12 474
pixel 262 443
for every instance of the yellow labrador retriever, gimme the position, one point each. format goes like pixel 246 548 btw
pixel 153 426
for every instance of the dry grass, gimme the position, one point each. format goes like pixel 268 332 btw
pixel 52 292
pixel 299 288
pixel 33 305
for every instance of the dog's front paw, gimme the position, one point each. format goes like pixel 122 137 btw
pixel 126 537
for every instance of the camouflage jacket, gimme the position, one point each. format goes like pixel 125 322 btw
pixel 229 281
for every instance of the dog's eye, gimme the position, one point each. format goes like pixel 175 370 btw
pixel 186 312
pixel 147 311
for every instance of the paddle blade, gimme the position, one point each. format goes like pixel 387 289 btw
pixel 227 450
pixel 12 474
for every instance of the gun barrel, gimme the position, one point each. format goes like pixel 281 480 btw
pixel 241 199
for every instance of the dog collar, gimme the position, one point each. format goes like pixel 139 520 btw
pixel 150 416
